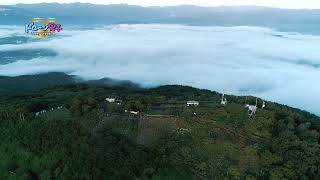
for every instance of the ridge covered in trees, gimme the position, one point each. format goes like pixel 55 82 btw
pixel 79 135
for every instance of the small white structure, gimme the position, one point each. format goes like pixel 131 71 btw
pixel 263 105
pixel 192 103
pixel 134 112
pixel 111 100
pixel 40 112
pixel 223 100
pixel 252 109
pixel 118 101
pixel 184 129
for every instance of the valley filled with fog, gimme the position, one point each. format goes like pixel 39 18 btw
pixel 241 60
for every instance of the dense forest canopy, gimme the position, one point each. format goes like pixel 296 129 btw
pixel 72 132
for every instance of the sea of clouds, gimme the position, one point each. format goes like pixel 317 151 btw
pixel 278 66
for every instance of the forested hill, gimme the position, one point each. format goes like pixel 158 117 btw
pixel 29 83
pixel 72 132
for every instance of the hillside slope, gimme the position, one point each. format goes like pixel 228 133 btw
pixel 79 135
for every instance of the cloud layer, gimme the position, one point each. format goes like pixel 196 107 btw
pixel 278 66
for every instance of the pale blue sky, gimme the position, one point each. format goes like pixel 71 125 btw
pixel 290 4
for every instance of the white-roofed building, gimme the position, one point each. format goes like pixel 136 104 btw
pixel 111 100
pixel 192 103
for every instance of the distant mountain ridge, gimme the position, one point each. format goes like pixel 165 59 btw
pixel 29 83
pixel 304 21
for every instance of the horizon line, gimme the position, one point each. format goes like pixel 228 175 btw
pixel 180 5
